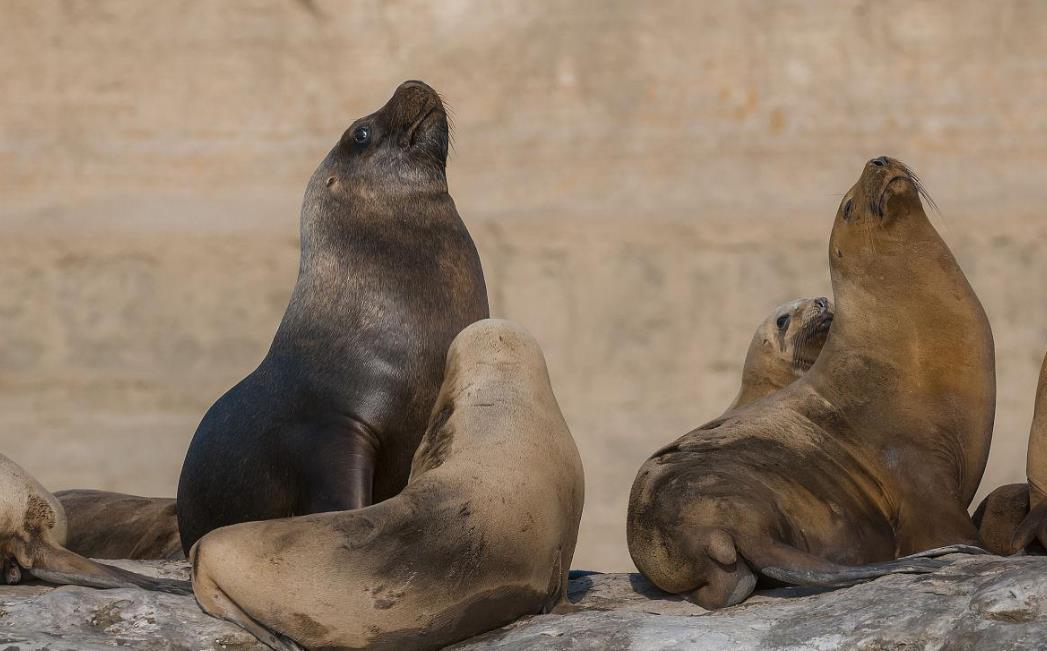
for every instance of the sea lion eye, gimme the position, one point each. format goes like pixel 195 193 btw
pixel 847 208
pixel 361 135
pixel 783 321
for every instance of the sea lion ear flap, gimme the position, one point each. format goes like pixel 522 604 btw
pixel 721 547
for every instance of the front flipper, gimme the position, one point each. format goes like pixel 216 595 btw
pixel 1032 530
pixel 999 516
pixel 339 471
pixel 61 566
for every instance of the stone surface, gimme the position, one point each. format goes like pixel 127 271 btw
pixel 38 618
pixel 985 603
pixel 976 603
pixel 644 181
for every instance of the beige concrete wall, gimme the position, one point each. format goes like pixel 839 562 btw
pixel 645 181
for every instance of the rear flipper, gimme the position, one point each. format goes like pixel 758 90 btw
pixel 728 571
pixel 61 566
pixel 790 565
pixel 1032 530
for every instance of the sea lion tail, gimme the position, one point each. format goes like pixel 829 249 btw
pixel 55 564
pixel 794 566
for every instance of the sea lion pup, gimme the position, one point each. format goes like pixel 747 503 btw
pixel 101 524
pixel 784 347
pixel 873 454
pixel 1014 517
pixel 388 276
pixel 33 535
pixel 483 533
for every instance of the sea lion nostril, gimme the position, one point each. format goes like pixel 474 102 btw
pixel 880 161
pixel 822 302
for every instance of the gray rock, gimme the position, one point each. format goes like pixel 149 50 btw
pixel 978 602
pixel 36 617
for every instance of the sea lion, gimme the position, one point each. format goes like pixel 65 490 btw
pixel 101 524
pixel 33 534
pixel 388 276
pixel 483 534
pixel 873 454
pixel 783 348
pixel 1014 517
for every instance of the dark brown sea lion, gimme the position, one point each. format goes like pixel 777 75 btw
pixel 101 524
pixel 33 535
pixel 483 534
pixel 784 347
pixel 1014 517
pixel 388 276
pixel 873 454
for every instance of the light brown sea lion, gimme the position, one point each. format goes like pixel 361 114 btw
pixel 1014 517
pixel 33 535
pixel 483 533
pixel 101 524
pixel 783 348
pixel 873 454
pixel 388 276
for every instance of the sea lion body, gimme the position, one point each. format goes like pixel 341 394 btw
pixel 783 348
pixel 389 275
pixel 483 534
pixel 102 524
pixel 1014 517
pixel 33 534
pixel 873 454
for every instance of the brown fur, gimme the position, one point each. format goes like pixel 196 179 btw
pixel 483 534
pixel 114 525
pixel 784 347
pixel 33 535
pixel 874 454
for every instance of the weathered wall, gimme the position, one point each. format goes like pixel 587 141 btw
pixel 644 181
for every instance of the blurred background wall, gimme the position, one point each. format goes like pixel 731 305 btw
pixel 644 181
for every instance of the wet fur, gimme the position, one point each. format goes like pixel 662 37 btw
pixel 388 276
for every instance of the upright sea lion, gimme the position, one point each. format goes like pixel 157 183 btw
pixel 33 535
pixel 873 454
pixel 483 534
pixel 1014 517
pixel 101 524
pixel 784 347
pixel 388 276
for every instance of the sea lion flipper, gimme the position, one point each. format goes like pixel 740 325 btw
pixel 1032 529
pixel 57 565
pixel 341 475
pixel 791 565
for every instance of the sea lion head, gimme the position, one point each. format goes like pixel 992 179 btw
pixel 784 347
pixel 792 336
pixel 880 214
pixel 400 149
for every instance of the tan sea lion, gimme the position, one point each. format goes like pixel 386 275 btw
pixel 101 524
pixel 483 534
pixel 33 536
pixel 783 348
pixel 873 454
pixel 388 276
pixel 1014 517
